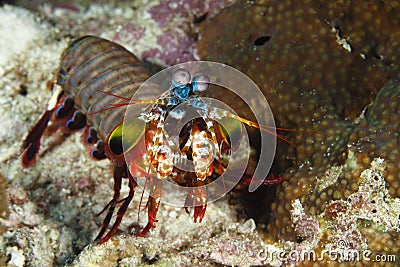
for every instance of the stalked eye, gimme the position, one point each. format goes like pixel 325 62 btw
pixel 200 83
pixel 180 78
pixel 126 135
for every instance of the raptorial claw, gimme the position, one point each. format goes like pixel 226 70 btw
pixel 199 212
pixel 197 198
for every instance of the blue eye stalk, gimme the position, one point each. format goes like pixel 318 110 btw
pixel 182 88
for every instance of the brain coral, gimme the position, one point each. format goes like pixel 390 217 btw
pixel 328 67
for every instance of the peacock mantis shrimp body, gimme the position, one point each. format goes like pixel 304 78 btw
pixel 95 83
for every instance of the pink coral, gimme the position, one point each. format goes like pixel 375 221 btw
pixel 130 32
pixel 186 10
pixel 176 47
pixel 177 19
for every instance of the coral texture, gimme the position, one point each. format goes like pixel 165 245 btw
pixel 331 68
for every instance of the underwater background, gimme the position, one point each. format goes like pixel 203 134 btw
pixel 329 69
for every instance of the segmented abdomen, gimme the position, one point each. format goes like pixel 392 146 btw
pixel 91 65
